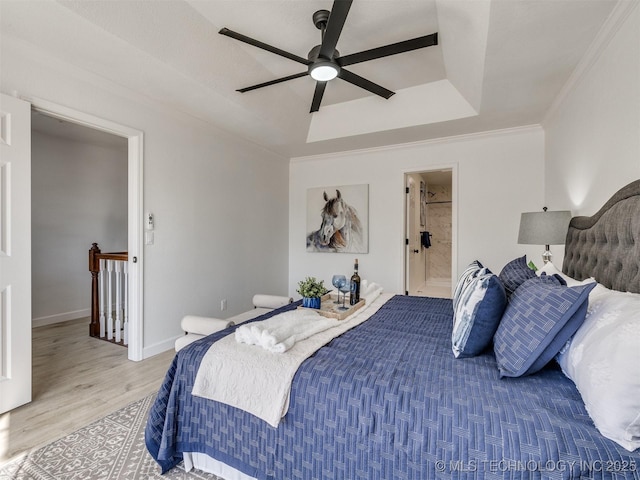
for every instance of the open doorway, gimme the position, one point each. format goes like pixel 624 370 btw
pixel 429 233
pixel 78 197
pixel 15 237
pixel 134 194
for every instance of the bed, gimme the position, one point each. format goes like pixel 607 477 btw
pixel 388 399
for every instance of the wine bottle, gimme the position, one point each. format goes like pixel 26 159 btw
pixel 354 295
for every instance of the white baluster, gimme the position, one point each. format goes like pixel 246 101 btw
pixel 101 289
pixel 118 273
pixel 109 299
pixel 125 266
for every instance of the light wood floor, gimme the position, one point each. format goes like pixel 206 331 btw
pixel 76 380
pixel 432 291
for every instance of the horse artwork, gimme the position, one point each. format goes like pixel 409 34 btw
pixel 341 228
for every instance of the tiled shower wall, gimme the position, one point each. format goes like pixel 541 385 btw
pixel 439 225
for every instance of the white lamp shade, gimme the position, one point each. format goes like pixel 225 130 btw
pixel 544 228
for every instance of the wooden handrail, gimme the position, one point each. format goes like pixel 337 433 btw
pixel 95 255
pixel 113 256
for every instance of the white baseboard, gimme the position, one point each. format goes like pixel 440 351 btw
pixel 159 347
pixel 60 317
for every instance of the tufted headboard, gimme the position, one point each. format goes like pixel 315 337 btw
pixel 606 246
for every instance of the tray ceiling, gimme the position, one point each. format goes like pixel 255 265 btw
pixel 501 62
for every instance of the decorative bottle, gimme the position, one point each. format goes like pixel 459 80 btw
pixel 354 295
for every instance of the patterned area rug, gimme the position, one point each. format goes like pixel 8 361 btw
pixel 110 449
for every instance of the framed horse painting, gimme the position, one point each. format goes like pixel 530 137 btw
pixel 338 219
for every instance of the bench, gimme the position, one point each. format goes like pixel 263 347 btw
pixel 196 327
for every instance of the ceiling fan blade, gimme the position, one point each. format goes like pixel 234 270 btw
pixel 364 83
pixel 387 50
pixel 317 96
pixel 264 46
pixel 335 23
pixel 272 82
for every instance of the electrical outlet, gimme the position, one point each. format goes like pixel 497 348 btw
pixel 223 304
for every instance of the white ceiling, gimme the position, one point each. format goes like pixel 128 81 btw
pixel 504 60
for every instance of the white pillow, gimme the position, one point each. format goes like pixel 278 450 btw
pixel 603 360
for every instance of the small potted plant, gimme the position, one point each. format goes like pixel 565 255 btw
pixel 311 291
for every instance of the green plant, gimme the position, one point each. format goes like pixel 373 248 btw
pixel 310 287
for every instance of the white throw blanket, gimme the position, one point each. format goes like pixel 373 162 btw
pixel 280 332
pixel 259 381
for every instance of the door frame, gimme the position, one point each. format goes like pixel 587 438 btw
pixel 135 144
pixel 454 219
pixel 407 227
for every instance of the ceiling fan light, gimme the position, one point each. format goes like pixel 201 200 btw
pixel 323 71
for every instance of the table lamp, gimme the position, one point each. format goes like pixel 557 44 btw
pixel 544 228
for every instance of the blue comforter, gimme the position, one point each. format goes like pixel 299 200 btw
pixel 388 400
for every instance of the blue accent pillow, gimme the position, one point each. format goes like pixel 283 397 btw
pixel 469 273
pixel 478 313
pixel 557 277
pixel 514 274
pixel 541 316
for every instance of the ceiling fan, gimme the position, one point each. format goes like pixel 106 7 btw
pixel 324 62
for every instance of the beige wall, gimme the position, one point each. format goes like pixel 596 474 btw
pixel 496 175
pixel 220 202
pixel 78 196
pixel 593 133
pixel 592 146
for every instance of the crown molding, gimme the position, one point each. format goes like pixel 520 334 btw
pixel 420 143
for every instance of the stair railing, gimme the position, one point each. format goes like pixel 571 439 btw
pixel 109 297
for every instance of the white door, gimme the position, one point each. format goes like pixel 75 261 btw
pixel 414 259
pixel 15 253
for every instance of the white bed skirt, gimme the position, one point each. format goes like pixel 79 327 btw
pixel 204 462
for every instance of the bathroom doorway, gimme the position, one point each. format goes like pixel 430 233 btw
pixel 429 233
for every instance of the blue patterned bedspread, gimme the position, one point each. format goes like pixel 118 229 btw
pixel 388 400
